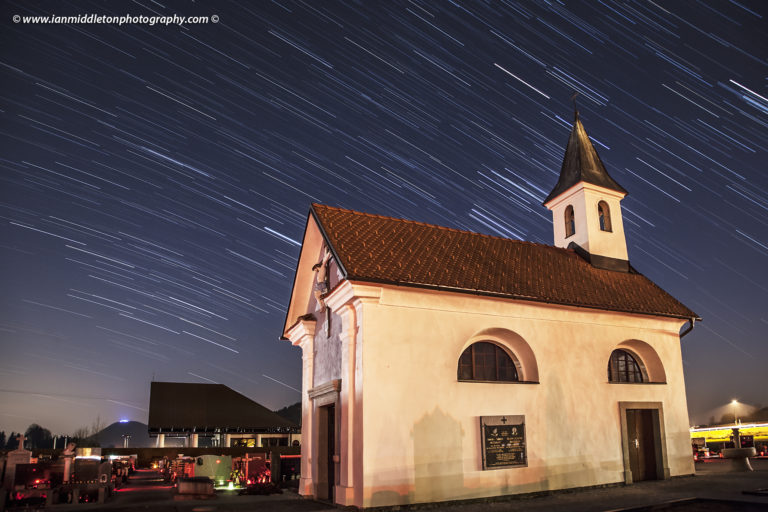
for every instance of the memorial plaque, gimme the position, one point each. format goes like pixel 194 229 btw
pixel 503 441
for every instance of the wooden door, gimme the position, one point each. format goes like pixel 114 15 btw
pixel 642 447
pixel 331 443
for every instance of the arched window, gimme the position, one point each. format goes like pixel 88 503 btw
pixel 570 222
pixel 605 216
pixel 623 367
pixel 486 362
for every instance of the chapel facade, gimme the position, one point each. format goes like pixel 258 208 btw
pixel 441 364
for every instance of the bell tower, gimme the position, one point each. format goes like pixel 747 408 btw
pixel 586 205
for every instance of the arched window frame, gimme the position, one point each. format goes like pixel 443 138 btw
pixel 626 367
pixel 570 221
pixel 468 368
pixel 604 215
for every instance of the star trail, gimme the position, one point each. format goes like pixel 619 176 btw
pixel 156 178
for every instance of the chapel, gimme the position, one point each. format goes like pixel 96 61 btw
pixel 441 364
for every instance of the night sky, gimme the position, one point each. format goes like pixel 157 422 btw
pixel 156 179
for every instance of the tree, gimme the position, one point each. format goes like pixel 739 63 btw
pixel 97 426
pixel 11 443
pixel 291 413
pixel 726 418
pixel 2 439
pixel 38 437
pixel 88 436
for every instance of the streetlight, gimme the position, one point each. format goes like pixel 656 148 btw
pixel 734 403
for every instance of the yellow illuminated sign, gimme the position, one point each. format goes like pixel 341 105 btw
pixel 723 434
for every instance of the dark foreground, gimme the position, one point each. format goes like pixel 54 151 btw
pixel 713 490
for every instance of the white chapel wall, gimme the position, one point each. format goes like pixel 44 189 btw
pixel 421 426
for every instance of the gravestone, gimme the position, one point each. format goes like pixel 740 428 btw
pixel 14 457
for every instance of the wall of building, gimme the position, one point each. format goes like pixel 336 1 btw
pixel 421 426
pixel 584 199
pixel 327 345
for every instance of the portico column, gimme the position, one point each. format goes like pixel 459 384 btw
pixel 303 335
pixel 348 301
pixel 161 440
pixel 193 440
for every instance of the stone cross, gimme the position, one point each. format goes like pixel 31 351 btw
pixel 21 439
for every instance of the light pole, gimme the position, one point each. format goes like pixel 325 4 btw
pixel 734 403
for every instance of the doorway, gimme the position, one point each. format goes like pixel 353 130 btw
pixel 642 434
pixel 326 467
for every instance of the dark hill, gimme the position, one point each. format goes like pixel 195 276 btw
pixel 112 436
pixel 291 413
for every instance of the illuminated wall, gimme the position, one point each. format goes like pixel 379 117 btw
pixel 408 430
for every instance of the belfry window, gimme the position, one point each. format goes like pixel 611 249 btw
pixel 570 222
pixel 486 361
pixel 605 216
pixel 623 367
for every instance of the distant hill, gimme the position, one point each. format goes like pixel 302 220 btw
pixel 112 436
pixel 291 413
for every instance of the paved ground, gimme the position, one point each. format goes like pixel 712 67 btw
pixel 147 493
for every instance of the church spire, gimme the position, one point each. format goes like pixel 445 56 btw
pixel 582 163
pixel 586 204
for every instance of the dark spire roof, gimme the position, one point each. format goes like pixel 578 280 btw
pixel 582 163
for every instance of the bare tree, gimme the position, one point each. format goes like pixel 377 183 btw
pixel 81 433
pixel 97 426
pixel 88 436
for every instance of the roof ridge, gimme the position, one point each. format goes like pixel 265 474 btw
pixel 445 228
pixel 366 249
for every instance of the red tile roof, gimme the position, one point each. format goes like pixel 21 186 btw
pixel 372 248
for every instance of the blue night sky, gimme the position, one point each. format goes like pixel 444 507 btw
pixel 156 179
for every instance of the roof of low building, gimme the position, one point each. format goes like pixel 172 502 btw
pixel 182 406
pixel 582 163
pixel 377 249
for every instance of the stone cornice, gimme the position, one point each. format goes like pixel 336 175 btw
pixel 568 194
pixel 301 331
pixel 347 291
pixel 327 393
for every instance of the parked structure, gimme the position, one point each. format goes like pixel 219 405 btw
pixel 214 411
